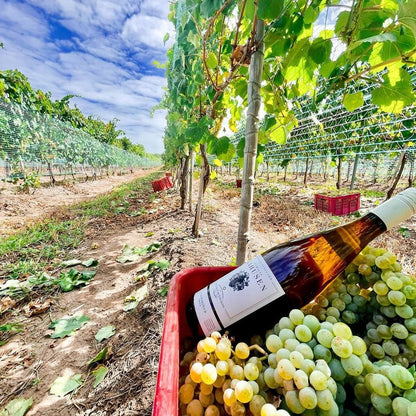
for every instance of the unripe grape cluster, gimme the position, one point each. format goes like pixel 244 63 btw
pixel 349 352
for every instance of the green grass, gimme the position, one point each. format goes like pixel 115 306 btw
pixel 29 251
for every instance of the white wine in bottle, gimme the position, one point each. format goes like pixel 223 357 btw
pixel 251 298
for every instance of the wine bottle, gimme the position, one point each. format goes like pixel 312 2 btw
pixel 251 298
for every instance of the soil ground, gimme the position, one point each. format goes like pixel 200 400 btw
pixel 31 360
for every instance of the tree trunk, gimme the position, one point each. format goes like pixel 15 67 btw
pixel 203 183
pixel 184 181
pixel 411 158
pixel 251 139
pixel 285 173
pixel 402 162
pixel 51 173
pixel 305 176
pixel 191 177
pixel 268 172
pixel 339 169
pixel 354 170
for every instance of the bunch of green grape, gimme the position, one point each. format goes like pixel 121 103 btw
pixel 378 301
pixel 349 352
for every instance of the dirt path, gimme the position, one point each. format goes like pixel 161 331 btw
pixel 18 209
pixel 31 361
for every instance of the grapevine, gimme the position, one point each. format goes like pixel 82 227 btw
pixel 349 352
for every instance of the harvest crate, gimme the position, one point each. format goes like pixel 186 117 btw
pixel 162 184
pixel 175 332
pixel 338 205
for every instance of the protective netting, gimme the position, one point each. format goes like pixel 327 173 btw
pixel 328 129
pixel 31 141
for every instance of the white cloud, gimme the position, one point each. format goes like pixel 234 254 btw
pixel 101 50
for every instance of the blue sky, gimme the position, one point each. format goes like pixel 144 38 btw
pixel 101 50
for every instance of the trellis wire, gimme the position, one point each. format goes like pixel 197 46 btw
pixel 37 142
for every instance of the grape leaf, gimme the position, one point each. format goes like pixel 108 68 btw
pixel 134 253
pixel 407 15
pixel 66 384
pixel 212 61
pixel 99 373
pixel 67 326
pixel 90 263
pixel 135 298
pixel 105 332
pixel 269 9
pixel 353 101
pixel 17 407
pixel 395 93
pixel 101 356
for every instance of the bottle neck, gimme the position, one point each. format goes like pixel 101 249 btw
pixel 397 209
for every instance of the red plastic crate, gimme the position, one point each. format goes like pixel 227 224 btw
pixel 338 205
pixel 175 332
pixel 162 184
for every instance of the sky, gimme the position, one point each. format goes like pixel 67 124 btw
pixel 100 50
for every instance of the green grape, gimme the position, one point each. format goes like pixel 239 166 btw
pixel 229 397
pixel 360 301
pixel 242 350
pixel 256 403
pixel 338 304
pixel 308 398
pixel 303 333
pixel 307 366
pixel 381 288
pixel 411 411
pixel 223 350
pixel 296 316
pixel 349 317
pixel 379 319
pixel 269 378
pixel 312 323
pixel 318 380
pixel 273 343
pixel 322 353
pixel 195 371
pixel 389 311
pixel 243 391
pixel 212 410
pixel 409 291
pixel 194 408
pixel 209 344
pixel 296 358
pixel 333 312
pixel 341 347
pixel 396 298
pixel 254 386
pixel 186 393
pixel 401 377
pixel 272 360
pixel 291 344
pixel 324 337
pixel 251 371
pixel 325 399
pixel 381 403
pixel 379 384
pixel 323 367
pixel 353 289
pixel 293 402
pixel 352 365
pixel 341 394
pixel 282 353
pixel 384 332
pixel 399 331
pixel 404 311
pixel 391 348
pixel 206 399
pixel 394 283
pixel 373 335
pixel 286 369
pixel 301 379
pixel 410 395
pixel 400 406
pixel 337 370
pixel 359 347
pixel 327 325
pixel 286 334
pixel 305 350
pixel 222 368
pixel 362 393
pixel 268 410
pixel 383 300
pixel 237 372
pixel 377 351
pixel 285 322
pixel 238 409
pixel 410 324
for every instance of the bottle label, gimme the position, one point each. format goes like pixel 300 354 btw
pixel 236 295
